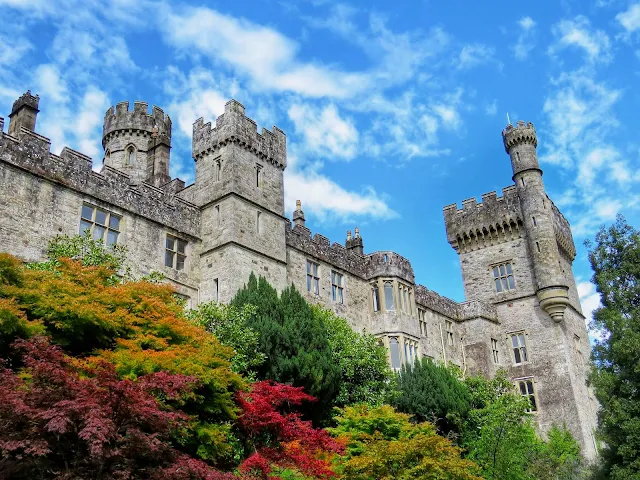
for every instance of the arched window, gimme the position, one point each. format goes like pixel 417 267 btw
pixel 107 156
pixel 130 155
pixel 394 350
pixel 375 296
pixel 388 296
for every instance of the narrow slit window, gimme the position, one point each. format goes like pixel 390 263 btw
pixel 218 169
pixel 216 292
pixel 258 226
pixel 538 246
pixel 375 297
pixel 535 224
pixel 258 176
pixel 449 330
pixel 217 215
pixel 522 181
pixel 494 350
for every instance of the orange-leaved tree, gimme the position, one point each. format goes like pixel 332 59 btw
pixel 137 326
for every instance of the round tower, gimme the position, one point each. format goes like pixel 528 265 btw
pixel 520 142
pixel 138 143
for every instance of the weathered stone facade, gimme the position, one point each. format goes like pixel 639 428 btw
pixel 515 251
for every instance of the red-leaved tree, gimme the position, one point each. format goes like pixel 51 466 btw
pixel 56 422
pixel 278 438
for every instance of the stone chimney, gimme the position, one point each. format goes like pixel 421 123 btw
pixel 355 243
pixel 23 113
pixel 298 214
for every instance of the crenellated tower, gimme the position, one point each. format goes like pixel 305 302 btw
pixel 240 191
pixel 520 142
pixel 138 143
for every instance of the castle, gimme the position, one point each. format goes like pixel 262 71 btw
pixel 522 311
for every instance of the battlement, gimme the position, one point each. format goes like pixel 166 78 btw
pixel 233 126
pixel 120 118
pixel 389 264
pixel 562 230
pixel 494 220
pixel 454 310
pixel 523 132
pixel 26 99
pixel 31 152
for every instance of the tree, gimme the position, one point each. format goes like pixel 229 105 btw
pixel 294 342
pixel 558 458
pixel 138 327
pixel 59 422
pixel 498 433
pixel 277 439
pixel 365 373
pixel 384 444
pixel 430 391
pixel 615 260
pixel 229 324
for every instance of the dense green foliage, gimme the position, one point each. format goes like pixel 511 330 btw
pixel 229 324
pixel 432 392
pixel 499 435
pixel 615 260
pixel 294 342
pixel 366 376
pixel 384 444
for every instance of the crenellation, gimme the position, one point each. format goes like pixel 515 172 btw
pixel 434 301
pixel 233 126
pixel 321 240
pixel 562 230
pixel 72 156
pixel 389 264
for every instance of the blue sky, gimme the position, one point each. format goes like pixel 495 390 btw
pixel 392 109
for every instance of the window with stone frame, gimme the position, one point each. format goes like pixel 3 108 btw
pixel 337 287
pixel 422 320
pixel 375 297
pixel 519 347
pixel 449 329
pixel 410 351
pixel 494 350
pixel 217 169
pixel 313 278
pixel 101 223
pixel 130 155
pixel 388 296
pixel 527 390
pixel 394 353
pixel 258 175
pixel 175 253
pixel 503 277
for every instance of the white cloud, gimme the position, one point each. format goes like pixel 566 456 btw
pixel 324 131
pixel 13 49
pixel 268 58
pixel 577 33
pixel 491 109
pixel 630 19
pixel 589 300
pixel 526 38
pixel 50 84
pixel 327 201
pixel 474 55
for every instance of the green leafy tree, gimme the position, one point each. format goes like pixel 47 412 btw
pixel 365 373
pixel 615 260
pixel 383 444
pixel 558 458
pixel 432 392
pixel 229 324
pixel 498 433
pixel 294 342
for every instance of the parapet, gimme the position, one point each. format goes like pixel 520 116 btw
pixel 562 230
pixel 120 118
pixel 454 310
pixel 476 225
pixel 26 99
pixel 523 132
pixel 389 264
pixel 31 152
pixel 233 126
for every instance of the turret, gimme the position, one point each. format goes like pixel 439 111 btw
pixel 298 214
pixel 355 243
pixel 23 113
pixel 138 143
pixel 520 143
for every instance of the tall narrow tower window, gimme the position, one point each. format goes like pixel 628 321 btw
pixel 258 226
pixel 375 297
pixel 535 224
pixel 258 176
pixel 538 246
pixel 522 181
pixel 107 155
pixel 217 215
pixel 217 169
pixel 130 155
pixel 388 296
